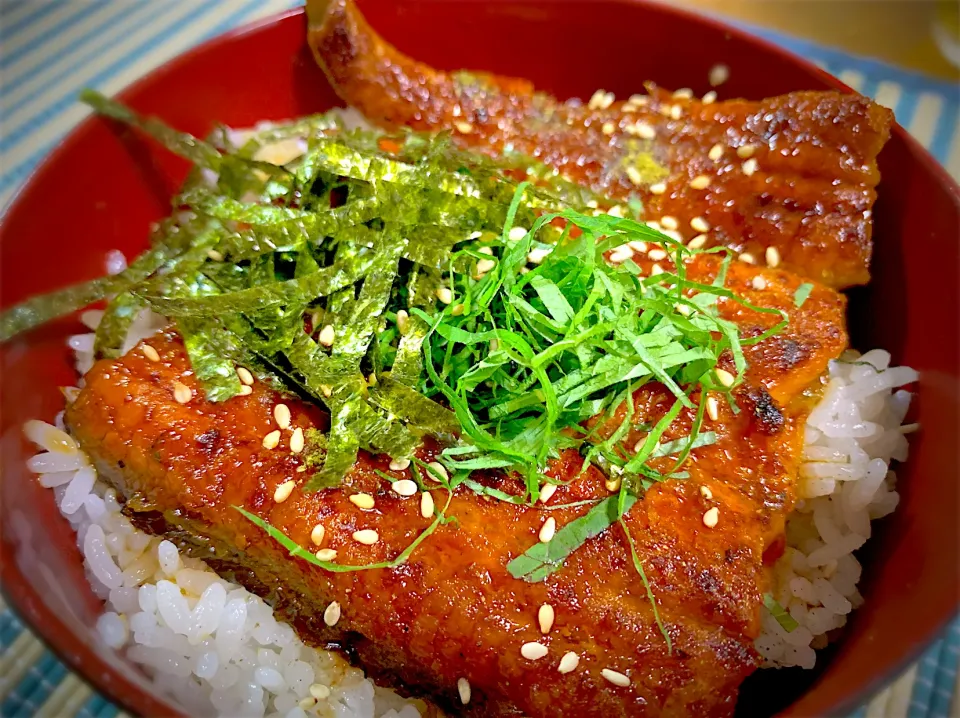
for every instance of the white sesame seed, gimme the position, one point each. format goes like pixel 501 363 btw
pixel 281 414
pixel 706 493
pixel 464 127
pixel 719 74
pixel 700 182
pixel 548 529
pixel 655 270
pixel 711 518
pixel 246 390
pixel 181 392
pixel 283 491
pixel 612 485
pixel 641 130
pixel 633 174
pixel 676 112
pixel 517 233
pixel 545 617
pixel 569 662
pixel 463 688
pixel 399 464
pixel 656 254
pixel 747 257
pixel 296 440
pixel 639 99
pixel 363 501
pixel 617 257
pixel 709 98
pixel 653 224
pixel 699 224
pixel 537 255
pixel 404 487
pixel 749 167
pixel 486 250
pixel 437 470
pixel 668 222
pixel 332 614
pixel 485 265
pixel 713 408
pixel 426 505
pixel 698 241
pixel 317 534
pixel 547 492
pixel 319 691
pixel 716 152
pixel 617 679
pixel 326 554
pixel 367 537
pixel 533 651
pixel 773 256
pixel 746 151
pixel 637 246
pixel 683 92
pixel 608 128
pixel 684 309
pixel 326 336
pixel 724 377
pixel 150 353
pixel 307 702
pixel 658 188
pixel 759 283
pixel 445 295
pixel 271 440
pixel 403 321
pixel 909 428
pixel 244 375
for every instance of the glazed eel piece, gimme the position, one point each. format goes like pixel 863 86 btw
pixel 452 611
pixel 794 175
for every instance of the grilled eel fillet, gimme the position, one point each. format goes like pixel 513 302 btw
pixel 452 610
pixel 796 173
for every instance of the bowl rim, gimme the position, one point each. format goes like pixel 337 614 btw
pixel 116 687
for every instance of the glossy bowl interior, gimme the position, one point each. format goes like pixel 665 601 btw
pixel 103 187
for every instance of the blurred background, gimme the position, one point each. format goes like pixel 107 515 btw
pixel 916 35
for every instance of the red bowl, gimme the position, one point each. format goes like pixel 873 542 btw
pixel 102 188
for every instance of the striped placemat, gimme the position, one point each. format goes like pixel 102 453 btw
pixel 50 49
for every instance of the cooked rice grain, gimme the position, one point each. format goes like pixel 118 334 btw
pixel 852 437
pixel 209 645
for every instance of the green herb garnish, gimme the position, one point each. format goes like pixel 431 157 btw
pixel 786 621
pixel 800 296
pixel 299 551
pixel 542 559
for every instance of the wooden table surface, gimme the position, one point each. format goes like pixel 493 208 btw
pixel 896 31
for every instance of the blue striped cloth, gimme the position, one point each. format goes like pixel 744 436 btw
pixel 50 50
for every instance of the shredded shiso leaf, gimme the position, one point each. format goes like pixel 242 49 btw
pixel 802 293
pixel 352 277
pixel 787 622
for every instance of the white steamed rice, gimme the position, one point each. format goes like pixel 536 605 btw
pixel 852 436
